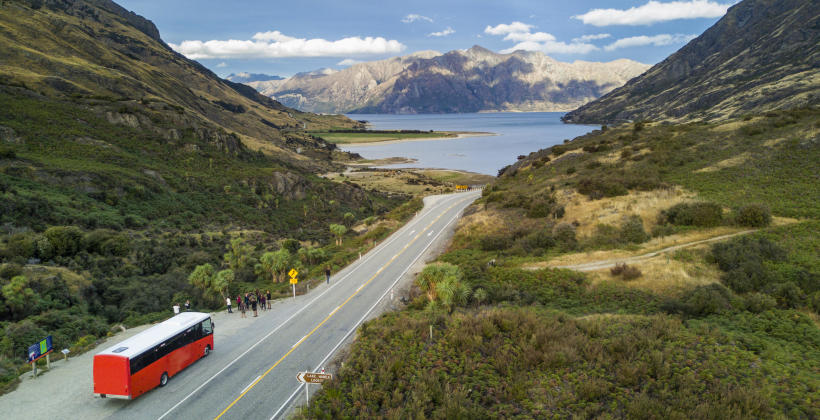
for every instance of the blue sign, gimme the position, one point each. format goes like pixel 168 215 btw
pixel 36 351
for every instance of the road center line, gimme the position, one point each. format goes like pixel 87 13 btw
pixel 242 394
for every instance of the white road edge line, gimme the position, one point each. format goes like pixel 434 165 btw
pixel 355 326
pixel 370 255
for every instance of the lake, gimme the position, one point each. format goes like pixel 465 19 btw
pixel 518 133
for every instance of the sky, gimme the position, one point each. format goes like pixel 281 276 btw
pixel 286 37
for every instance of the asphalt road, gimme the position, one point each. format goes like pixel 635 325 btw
pixel 251 374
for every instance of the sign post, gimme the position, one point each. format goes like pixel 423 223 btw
pixel 308 378
pixel 39 350
pixel 293 280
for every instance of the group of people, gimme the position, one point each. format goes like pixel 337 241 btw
pixel 187 307
pixel 252 301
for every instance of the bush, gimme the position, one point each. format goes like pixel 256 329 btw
pixel 632 231
pixel 787 294
pixel 759 302
pixel 706 300
pixel 702 214
pixel 753 215
pixel 564 235
pixel 598 187
pixel 7 271
pixel 495 242
pixel 627 272
pixel 65 240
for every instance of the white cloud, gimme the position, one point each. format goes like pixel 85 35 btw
pixel 537 41
pixel 592 37
pixel 657 40
pixel 222 65
pixel 655 11
pixel 275 45
pixel 414 17
pixel 447 31
pixel 504 29
pixel 348 62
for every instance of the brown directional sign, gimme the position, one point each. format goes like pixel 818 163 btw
pixel 313 378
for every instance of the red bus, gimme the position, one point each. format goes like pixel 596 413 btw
pixel 140 363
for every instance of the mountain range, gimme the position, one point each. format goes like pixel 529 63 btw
pixel 761 55
pixel 251 77
pixel 471 80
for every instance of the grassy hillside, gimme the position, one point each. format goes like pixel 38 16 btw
pixel 126 168
pixel 727 329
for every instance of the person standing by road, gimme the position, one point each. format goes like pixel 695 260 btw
pixel 247 301
pixel 267 298
pixel 176 308
pixel 187 305
pixel 228 301
pixel 262 301
pixel 327 274
pixel 242 307
pixel 253 304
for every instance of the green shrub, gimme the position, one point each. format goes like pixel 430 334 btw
pixel 787 294
pixel 759 302
pixel 753 215
pixel 702 214
pixel 495 242
pixel 632 231
pixel 564 235
pixel 706 300
pixel 65 240
pixel 10 270
pixel 600 187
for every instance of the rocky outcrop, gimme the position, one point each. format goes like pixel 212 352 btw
pixel 762 55
pixel 459 81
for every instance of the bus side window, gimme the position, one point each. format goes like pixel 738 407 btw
pixel 207 329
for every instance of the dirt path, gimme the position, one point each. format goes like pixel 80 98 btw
pixel 603 264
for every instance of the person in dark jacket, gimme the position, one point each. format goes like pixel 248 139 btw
pixel 253 304
pixel 327 274
pixel 267 298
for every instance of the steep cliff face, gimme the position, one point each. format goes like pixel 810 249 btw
pixel 459 81
pixel 762 55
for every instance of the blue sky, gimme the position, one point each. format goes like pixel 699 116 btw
pixel 286 37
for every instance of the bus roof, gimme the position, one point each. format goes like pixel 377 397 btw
pixel 149 338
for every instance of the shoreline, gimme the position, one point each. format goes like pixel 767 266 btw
pixel 459 135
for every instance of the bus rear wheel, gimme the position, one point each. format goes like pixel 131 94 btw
pixel 207 351
pixel 163 380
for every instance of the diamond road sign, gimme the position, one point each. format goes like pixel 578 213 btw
pixel 313 378
pixel 293 272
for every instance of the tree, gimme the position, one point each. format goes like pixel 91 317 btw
pixel 222 282
pixel 212 284
pixel 338 230
pixel 273 265
pixel 238 255
pixel 349 218
pixel 202 277
pixel 17 294
pixel 66 240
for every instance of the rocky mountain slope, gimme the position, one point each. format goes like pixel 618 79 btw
pixel 96 53
pixel 764 54
pixel 458 81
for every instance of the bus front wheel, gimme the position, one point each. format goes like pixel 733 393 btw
pixel 163 380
